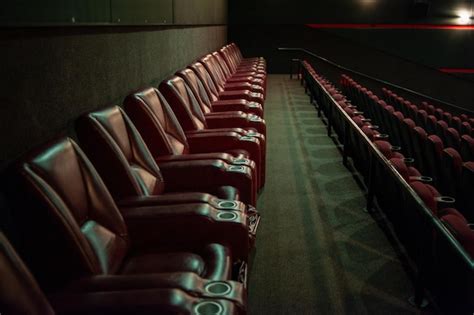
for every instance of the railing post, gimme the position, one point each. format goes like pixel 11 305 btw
pixel 328 117
pixel 370 186
pixel 345 144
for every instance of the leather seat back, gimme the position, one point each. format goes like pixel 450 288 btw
pixel 19 291
pixel 82 213
pixel 222 64
pixel 215 71
pixel 156 122
pixel 184 103
pixel 119 153
pixel 198 89
pixel 227 54
pixel 206 80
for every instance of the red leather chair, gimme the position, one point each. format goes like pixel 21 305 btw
pixel 20 294
pixel 109 135
pixel 213 91
pixel 238 64
pixel 230 79
pixel 438 204
pixel 255 75
pixel 167 142
pixel 208 106
pixel 215 63
pixel 236 90
pixel 188 111
pixel 64 180
pixel 19 291
pixel 192 119
pixel 224 73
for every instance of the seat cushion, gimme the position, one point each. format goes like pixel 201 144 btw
pixel 213 262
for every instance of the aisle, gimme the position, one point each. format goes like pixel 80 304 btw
pixel 317 251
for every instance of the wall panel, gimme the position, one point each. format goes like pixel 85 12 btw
pixel 55 11
pixel 52 76
pixel 142 11
pixel 200 11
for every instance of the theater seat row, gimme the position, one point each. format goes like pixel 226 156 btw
pixel 154 212
pixel 436 158
pixel 455 131
pixel 437 238
pixel 439 205
pixel 425 113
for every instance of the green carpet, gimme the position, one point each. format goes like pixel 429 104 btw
pixel 317 251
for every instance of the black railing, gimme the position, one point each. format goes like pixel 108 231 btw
pixel 380 81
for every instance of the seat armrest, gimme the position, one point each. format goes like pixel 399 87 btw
pixel 203 175
pixel 187 227
pixel 147 301
pixel 224 141
pixel 236 120
pixel 238 105
pixel 188 282
pixel 182 198
pixel 242 94
pixel 196 157
pixel 233 86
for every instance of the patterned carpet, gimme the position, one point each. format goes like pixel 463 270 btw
pixel 318 252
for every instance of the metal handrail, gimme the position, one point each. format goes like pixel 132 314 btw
pixel 427 212
pixel 393 85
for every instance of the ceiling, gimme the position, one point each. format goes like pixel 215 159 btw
pixel 349 11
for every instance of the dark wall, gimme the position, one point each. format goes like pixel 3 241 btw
pixel 407 57
pixel 113 12
pixel 266 39
pixel 433 48
pixel 53 75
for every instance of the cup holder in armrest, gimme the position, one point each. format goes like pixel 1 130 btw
pixel 423 179
pixel 255 118
pixel 409 161
pixel 227 216
pixel 383 136
pixel 227 204
pixel 373 127
pixel 248 138
pixel 358 112
pixel 251 133
pixel 241 161
pixel 253 105
pixel 396 148
pixel 218 288
pixel 366 120
pixel 208 308
pixel 237 169
pixel 445 201
pixel 471 226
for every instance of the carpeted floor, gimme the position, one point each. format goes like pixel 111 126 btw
pixel 317 252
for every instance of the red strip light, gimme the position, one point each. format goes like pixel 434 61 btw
pixel 393 26
pixel 456 70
